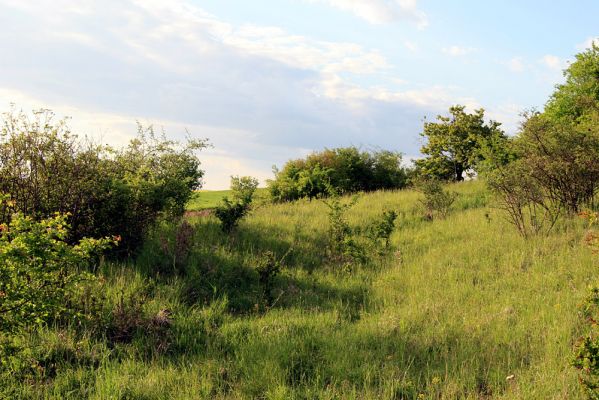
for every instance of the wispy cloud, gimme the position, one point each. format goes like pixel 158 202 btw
pixel 260 92
pixel 516 64
pixel 457 51
pixel 381 11
pixel 588 43
pixel 553 62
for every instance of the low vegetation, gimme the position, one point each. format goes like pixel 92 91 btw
pixel 345 170
pixel 108 291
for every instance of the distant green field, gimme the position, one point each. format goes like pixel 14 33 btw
pixel 207 199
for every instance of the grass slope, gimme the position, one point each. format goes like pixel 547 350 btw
pixel 209 199
pixel 459 305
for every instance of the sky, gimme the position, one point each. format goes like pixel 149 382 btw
pixel 270 80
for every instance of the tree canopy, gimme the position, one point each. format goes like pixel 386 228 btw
pixel 455 143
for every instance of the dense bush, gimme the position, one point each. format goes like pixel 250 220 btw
pixel 343 243
pixel 106 191
pixel 39 270
pixel 268 267
pixel 586 352
pixel 437 201
pixel 380 229
pixel 344 169
pixel 230 211
pixel 555 157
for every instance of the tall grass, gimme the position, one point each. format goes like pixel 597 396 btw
pixel 463 308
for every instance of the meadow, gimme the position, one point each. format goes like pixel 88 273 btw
pixel 459 308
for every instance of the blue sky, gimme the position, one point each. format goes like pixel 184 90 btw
pixel 266 81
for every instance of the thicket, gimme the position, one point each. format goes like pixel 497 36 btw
pixel 554 168
pixel 436 201
pixel 346 170
pixel 40 273
pixel 231 211
pixel 104 191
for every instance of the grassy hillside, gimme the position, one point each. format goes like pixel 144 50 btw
pixel 459 305
pixel 208 199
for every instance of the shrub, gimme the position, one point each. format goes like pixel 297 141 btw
pixel 39 270
pixel 592 237
pixel 586 350
pixel 342 245
pixel 105 191
pixel 230 212
pixel 437 201
pixel 344 169
pixel 380 230
pixel 268 267
pixel 555 167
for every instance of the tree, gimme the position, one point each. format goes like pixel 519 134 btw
pixel 555 156
pixel 578 97
pixel 454 144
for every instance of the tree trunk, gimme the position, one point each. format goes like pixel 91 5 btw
pixel 459 172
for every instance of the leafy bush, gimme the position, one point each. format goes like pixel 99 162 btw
pixel 39 270
pixel 555 157
pixel 344 169
pixel 105 191
pixel 437 201
pixel 380 230
pixel 268 267
pixel 230 212
pixel 592 237
pixel 342 245
pixel 586 352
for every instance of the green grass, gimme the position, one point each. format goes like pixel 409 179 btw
pixel 206 199
pixel 209 199
pixel 459 305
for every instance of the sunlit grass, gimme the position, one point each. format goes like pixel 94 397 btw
pixel 459 305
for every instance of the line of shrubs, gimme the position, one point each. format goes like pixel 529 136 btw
pixel 346 170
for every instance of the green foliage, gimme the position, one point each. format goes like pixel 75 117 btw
pixel 105 191
pixel 555 157
pixel 380 229
pixel 458 143
pixel 592 237
pixel 579 95
pixel 586 351
pixel 453 296
pixel 437 201
pixel 230 212
pixel 343 245
pixel 40 271
pixel 268 267
pixel 167 248
pixel 346 170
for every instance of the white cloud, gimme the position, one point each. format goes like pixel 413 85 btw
pixel 381 11
pixel 413 47
pixel 553 62
pixel 261 94
pixel 515 64
pixel 588 43
pixel 457 51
